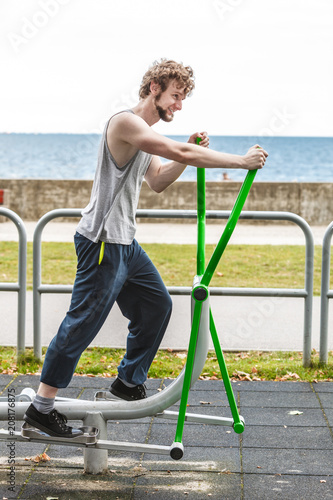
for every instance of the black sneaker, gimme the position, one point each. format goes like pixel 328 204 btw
pixel 128 393
pixel 53 423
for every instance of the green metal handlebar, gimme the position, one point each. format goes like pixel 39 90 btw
pixel 201 218
pixel 230 226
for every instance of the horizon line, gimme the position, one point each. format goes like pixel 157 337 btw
pixel 176 135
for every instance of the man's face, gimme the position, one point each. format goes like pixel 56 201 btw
pixel 169 101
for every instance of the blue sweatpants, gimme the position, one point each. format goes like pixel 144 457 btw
pixel 125 275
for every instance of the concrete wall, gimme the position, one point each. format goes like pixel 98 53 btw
pixel 32 198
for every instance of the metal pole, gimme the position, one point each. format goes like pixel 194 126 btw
pixel 201 218
pixel 308 301
pixel 36 280
pixel 232 221
pixel 96 461
pixel 200 328
pixel 37 270
pixel 325 285
pixel 238 422
pixel 22 277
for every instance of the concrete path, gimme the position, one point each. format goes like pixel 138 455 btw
pixel 285 451
pixel 276 234
pixel 243 323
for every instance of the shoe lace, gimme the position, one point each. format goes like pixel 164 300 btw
pixel 60 419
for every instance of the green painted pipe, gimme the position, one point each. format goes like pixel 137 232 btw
pixel 230 226
pixel 201 218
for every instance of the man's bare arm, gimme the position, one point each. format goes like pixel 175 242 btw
pixel 159 176
pixel 133 130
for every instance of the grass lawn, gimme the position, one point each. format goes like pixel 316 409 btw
pixel 240 266
pixel 253 365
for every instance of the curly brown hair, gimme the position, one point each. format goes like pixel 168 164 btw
pixel 164 71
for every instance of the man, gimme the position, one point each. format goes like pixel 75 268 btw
pixel 111 265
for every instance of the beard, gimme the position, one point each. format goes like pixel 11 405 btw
pixel 162 113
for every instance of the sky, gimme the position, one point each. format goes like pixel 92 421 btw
pixel 262 67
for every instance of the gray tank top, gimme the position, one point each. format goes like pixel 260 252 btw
pixel 110 214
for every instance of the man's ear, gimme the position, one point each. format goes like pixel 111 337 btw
pixel 155 88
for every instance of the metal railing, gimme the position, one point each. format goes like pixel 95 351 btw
pixel 306 292
pixel 325 293
pixel 21 284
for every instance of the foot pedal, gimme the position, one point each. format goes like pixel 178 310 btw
pixel 89 436
pixel 105 396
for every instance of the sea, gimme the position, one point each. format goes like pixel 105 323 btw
pixel 74 156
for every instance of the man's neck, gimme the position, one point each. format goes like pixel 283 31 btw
pixel 147 111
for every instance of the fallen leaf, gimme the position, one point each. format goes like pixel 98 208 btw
pixel 288 376
pixel 242 375
pixel 39 458
pixel 224 471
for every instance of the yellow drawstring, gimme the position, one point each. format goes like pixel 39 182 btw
pixel 101 252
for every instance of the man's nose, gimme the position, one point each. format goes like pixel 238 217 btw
pixel 179 105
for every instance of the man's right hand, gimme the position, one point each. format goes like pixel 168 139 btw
pixel 255 158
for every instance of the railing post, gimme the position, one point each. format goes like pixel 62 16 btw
pixel 37 270
pixel 36 280
pixel 21 287
pixel 325 295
